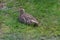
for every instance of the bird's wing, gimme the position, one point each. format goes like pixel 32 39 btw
pixel 22 18
pixel 30 17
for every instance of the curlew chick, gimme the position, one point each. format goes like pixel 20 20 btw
pixel 2 5
pixel 27 18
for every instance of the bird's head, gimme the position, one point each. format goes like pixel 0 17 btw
pixel 21 10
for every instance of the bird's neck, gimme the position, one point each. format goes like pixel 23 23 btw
pixel 22 12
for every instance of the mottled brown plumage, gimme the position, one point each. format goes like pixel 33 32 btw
pixel 27 18
pixel 1 4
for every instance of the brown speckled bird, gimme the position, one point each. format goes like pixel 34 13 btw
pixel 1 5
pixel 27 18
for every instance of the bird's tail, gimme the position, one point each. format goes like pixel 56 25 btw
pixel 35 23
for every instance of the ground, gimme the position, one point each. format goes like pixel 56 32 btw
pixel 47 12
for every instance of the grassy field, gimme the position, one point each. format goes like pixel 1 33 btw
pixel 46 11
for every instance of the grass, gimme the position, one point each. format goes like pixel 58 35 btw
pixel 46 11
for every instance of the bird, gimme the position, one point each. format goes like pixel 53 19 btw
pixel 1 5
pixel 27 18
